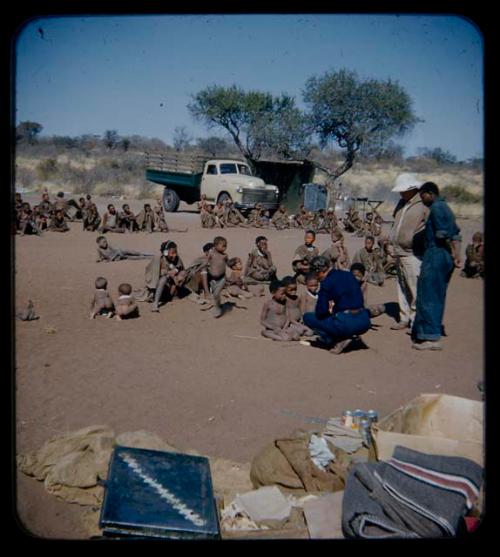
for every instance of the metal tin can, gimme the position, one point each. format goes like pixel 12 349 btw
pixel 347 420
pixel 372 415
pixel 357 416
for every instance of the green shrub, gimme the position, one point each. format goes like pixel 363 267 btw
pixel 47 169
pixel 459 194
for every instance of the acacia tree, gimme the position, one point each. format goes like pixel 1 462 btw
pixel 181 138
pixel 353 113
pixel 28 131
pixel 257 122
pixel 111 139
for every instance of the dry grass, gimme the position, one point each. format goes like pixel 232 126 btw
pixel 123 176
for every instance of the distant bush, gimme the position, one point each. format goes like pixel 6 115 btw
pixel 47 169
pixel 25 178
pixel 458 194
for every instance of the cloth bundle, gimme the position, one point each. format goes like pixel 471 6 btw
pixel 412 495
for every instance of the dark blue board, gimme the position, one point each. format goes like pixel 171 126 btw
pixel 315 197
pixel 159 494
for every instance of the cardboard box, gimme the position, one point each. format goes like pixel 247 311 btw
pixel 434 424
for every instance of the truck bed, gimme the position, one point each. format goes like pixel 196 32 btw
pixel 185 184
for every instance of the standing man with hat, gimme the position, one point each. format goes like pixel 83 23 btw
pixel 406 236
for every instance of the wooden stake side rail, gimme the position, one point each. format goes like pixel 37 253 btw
pixel 175 163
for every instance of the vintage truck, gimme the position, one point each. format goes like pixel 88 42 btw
pixel 186 178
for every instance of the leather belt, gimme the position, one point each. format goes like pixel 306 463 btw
pixel 353 311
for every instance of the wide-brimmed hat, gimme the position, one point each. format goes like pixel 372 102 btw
pixel 406 182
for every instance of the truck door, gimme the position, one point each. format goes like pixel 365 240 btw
pixel 210 182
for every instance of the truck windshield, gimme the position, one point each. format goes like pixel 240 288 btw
pixel 243 168
pixel 228 168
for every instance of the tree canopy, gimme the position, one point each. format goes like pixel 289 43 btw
pixel 354 113
pixel 258 122
pixel 28 131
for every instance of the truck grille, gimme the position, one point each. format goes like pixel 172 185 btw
pixel 258 196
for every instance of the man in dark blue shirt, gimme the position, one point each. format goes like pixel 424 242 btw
pixel 340 313
pixel 441 256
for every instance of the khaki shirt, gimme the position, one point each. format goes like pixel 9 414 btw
pixel 408 221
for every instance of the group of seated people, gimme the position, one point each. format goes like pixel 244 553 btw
pixel 224 214
pixel 371 224
pixel 55 215
pixel 46 215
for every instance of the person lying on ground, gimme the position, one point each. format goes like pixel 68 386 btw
pixel 105 252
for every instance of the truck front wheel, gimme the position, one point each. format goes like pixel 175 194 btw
pixel 223 197
pixel 170 200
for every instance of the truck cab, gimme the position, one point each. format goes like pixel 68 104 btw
pixel 232 179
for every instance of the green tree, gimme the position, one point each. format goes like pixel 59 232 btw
pixel 110 139
pixel 439 155
pixel 213 145
pixel 28 132
pixel 257 122
pixel 355 113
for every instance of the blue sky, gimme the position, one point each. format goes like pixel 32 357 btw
pixel 135 74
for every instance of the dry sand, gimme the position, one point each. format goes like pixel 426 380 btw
pixel 215 386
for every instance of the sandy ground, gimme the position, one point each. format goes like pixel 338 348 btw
pixel 212 385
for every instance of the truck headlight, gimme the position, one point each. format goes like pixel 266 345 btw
pixel 239 189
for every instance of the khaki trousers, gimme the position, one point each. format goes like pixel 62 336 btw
pixel 408 269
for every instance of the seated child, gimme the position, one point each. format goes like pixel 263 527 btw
pixel 146 219
pixel 370 257
pixel 303 255
pixel 208 219
pixel 91 218
pixel 127 219
pixel 194 281
pixel 359 271
pixel 172 273
pixel 126 306
pixel 273 316
pixel 214 275
pixel 293 313
pixel 280 219
pixel 474 258
pixel 309 298
pixel 27 224
pixel 101 304
pixel 58 222
pixel 235 285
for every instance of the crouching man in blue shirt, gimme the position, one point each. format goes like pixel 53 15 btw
pixel 340 313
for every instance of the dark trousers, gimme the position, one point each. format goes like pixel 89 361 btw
pixel 435 273
pixel 339 326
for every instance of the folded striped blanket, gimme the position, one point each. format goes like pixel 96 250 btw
pixel 412 495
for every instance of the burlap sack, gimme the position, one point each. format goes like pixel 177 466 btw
pixel 287 463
